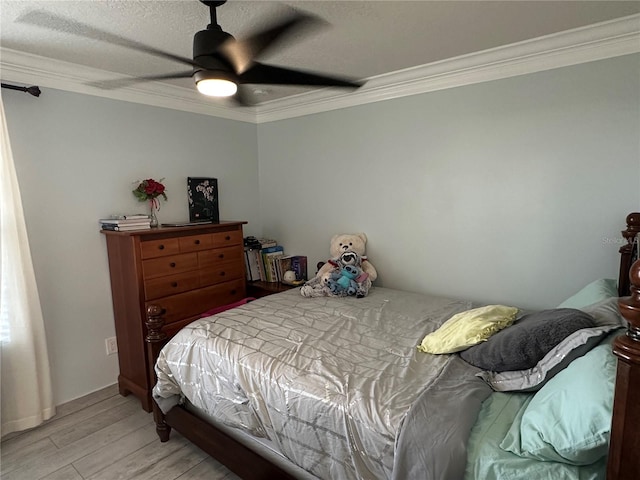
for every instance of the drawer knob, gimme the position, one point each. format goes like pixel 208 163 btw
pixel 174 284
pixel 172 264
pixel 197 242
pixel 160 247
pixel 233 292
pixel 221 255
pixel 222 274
pixel 227 237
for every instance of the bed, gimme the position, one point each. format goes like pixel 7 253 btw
pixel 335 388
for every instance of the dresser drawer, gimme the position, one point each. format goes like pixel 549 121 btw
pixel 221 273
pixel 159 248
pixel 157 267
pixel 218 256
pixel 224 239
pixel 170 285
pixel 193 303
pixel 193 243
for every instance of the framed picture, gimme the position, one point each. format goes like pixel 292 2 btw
pixel 203 199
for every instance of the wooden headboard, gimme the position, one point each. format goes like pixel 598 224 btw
pixel 624 446
pixel 627 252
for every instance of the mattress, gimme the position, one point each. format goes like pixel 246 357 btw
pixel 337 385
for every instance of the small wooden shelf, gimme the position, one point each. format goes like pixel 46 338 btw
pixel 262 289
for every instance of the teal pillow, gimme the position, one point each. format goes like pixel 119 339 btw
pixel 569 419
pixel 592 293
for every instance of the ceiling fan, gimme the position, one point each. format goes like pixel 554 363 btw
pixel 221 65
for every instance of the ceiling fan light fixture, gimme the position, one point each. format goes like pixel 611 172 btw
pixel 215 83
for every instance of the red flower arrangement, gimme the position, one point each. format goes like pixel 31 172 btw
pixel 149 189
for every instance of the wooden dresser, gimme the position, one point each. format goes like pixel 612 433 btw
pixel 184 270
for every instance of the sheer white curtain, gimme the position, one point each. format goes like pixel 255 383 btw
pixel 25 382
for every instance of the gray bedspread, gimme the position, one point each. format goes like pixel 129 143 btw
pixel 337 384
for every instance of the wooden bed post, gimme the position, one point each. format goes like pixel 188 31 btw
pixel 633 229
pixel 156 339
pixel 624 448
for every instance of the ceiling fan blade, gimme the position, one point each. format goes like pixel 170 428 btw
pixel 54 22
pixel 268 74
pixel 241 53
pixel 126 81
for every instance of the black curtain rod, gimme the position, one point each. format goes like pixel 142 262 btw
pixel 35 91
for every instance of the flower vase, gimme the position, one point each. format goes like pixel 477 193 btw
pixel 152 213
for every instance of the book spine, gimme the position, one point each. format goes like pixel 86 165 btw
pixel 267 242
pixel 275 248
pixel 254 264
pixel 267 269
pixel 272 268
pixel 260 263
pixel 139 216
pixel 299 266
pixel 127 224
pixel 127 228
pixel 247 265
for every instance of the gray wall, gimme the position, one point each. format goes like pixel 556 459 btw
pixel 76 158
pixel 509 191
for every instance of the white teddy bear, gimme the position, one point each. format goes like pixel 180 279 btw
pixel 345 249
pixel 348 242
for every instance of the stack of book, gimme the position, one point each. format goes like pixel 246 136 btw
pixel 124 223
pixel 270 256
pixel 255 250
pixel 265 261
pixel 254 261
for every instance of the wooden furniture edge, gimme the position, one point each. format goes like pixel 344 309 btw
pixel 626 251
pixel 624 446
pixel 193 229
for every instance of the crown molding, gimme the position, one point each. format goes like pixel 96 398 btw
pixel 586 44
pixel 26 68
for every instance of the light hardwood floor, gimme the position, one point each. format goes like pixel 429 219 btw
pixel 103 436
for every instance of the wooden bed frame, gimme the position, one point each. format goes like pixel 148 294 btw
pixel 624 448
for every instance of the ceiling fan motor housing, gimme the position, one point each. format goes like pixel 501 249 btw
pixel 205 49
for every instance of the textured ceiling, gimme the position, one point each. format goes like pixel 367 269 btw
pixel 364 39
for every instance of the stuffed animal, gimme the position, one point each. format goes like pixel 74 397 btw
pixel 346 242
pixel 346 250
pixel 347 280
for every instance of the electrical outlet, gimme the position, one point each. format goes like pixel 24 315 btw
pixel 112 345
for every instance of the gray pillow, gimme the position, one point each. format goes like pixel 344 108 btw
pixel 557 359
pixel 522 345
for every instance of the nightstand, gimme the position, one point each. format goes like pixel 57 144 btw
pixel 262 289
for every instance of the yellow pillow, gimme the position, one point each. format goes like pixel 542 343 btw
pixel 466 329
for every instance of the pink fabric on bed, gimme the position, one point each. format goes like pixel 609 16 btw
pixel 222 308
